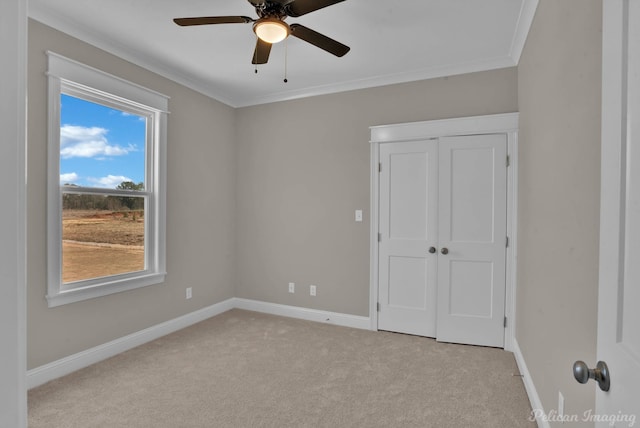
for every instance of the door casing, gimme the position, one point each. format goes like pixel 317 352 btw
pixel 415 131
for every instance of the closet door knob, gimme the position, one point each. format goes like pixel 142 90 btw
pixel 432 250
pixel 445 250
pixel 600 374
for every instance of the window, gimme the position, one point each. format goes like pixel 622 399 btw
pixel 106 178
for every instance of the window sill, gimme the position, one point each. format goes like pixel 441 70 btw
pixel 104 289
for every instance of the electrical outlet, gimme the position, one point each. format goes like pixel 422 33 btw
pixel 189 293
pixel 358 215
pixel 561 406
pixel 312 290
pixel 292 287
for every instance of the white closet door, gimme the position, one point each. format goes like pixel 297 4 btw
pixel 472 239
pixel 407 271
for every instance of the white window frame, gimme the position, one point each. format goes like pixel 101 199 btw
pixel 70 77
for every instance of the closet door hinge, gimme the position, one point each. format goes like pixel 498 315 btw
pixel 508 161
pixel 379 166
pixel 505 322
pixel 378 306
pixel 507 242
pixel 379 237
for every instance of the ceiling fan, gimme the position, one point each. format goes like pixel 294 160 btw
pixel 271 28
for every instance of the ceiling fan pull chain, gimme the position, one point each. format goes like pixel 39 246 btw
pixel 286 45
pixel 255 59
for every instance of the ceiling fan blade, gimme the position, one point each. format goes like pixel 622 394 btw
pixel 319 40
pixel 261 53
pixel 300 7
pixel 207 20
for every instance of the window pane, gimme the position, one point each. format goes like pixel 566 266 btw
pixel 101 236
pixel 101 146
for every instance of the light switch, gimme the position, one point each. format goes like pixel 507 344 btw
pixel 358 215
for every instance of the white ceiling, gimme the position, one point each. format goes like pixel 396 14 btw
pixel 391 41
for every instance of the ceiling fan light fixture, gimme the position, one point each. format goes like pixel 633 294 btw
pixel 271 30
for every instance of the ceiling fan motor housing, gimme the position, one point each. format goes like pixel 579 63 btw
pixel 270 9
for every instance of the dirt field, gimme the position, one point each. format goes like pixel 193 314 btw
pixel 101 243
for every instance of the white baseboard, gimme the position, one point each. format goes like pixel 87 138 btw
pixel 345 320
pixel 64 366
pixel 43 374
pixel 530 387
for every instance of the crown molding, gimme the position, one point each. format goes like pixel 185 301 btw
pixel 391 79
pixel 523 26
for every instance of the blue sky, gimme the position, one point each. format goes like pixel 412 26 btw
pixel 99 146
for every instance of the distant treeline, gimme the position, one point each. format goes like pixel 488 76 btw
pixel 73 201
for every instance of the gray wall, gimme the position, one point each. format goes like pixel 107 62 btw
pixel 559 84
pixel 200 212
pixel 303 169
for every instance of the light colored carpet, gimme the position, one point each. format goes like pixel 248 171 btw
pixel 245 369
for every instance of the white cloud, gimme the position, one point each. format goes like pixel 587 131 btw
pixel 140 118
pixel 110 181
pixel 69 177
pixel 84 142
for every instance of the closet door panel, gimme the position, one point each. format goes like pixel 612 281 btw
pixel 408 228
pixel 472 239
